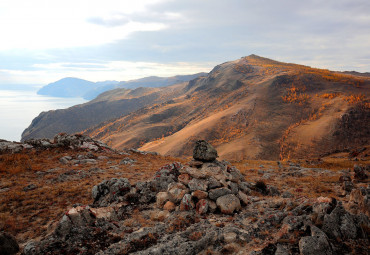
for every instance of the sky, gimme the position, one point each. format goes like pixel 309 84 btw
pixel 46 40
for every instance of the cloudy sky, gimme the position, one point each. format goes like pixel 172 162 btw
pixel 43 40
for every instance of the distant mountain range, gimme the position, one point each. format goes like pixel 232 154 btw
pixel 253 107
pixel 75 87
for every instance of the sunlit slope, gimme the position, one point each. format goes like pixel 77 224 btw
pixel 252 108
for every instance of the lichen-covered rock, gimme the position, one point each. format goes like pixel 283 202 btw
pixel 186 203
pixel 184 178
pixel 198 184
pixel 219 192
pixel 162 198
pixel 228 203
pixel 316 244
pixel 8 244
pixel 340 224
pixel 110 191
pixel 205 152
pixel 176 191
pixel 202 206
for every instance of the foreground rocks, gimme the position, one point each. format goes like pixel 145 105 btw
pixel 205 207
pixel 62 140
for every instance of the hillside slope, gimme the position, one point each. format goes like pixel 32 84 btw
pixel 108 105
pixel 252 108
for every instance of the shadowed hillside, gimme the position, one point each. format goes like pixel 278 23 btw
pixel 252 108
pixel 108 105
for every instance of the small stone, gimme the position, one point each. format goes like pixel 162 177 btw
pixel 233 187
pixel 65 159
pixel 162 198
pixel 186 203
pixel 216 193
pixel 287 194
pixel 195 163
pixel 228 203
pixel 205 152
pixel 213 183
pixel 184 178
pixel 212 206
pixel 30 187
pixel 198 184
pixel 169 206
pixel 199 194
pixel 230 237
pixel 202 206
pixel 243 198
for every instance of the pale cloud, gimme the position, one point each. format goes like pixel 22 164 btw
pixel 115 70
pixel 101 40
pixel 65 24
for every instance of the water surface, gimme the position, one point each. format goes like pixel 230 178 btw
pixel 20 105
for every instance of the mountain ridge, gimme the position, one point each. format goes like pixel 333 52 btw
pixel 251 108
pixel 76 87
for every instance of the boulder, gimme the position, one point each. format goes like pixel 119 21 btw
pixel 186 203
pixel 8 244
pixel 228 203
pixel 316 244
pixel 202 206
pixel 219 192
pixel 203 151
pixel 198 184
pixel 176 191
pixel 110 191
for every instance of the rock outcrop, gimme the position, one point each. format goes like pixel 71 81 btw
pixel 62 140
pixel 204 207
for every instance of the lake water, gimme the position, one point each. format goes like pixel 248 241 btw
pixel 20 105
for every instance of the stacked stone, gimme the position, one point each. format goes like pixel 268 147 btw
pixel 206 185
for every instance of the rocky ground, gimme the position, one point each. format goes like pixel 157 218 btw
pixel 75 195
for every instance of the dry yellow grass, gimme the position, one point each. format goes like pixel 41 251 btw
pixel 30 214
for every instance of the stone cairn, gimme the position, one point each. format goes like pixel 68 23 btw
pixel 206 185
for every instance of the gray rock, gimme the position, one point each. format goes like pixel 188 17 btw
pixel 186 203
pixel 127 161
pixel 109 191
pixel 198 184
pixel 233 187
pixel 316 244
pixel 30 249
pixel 203 151
pixel 30 187
pixel 8 244
pixel 340 224
pixel 228 203
pixel 213 183
pixel 281 250
pixel 219 192
pixel 287 194
pixel 65 159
